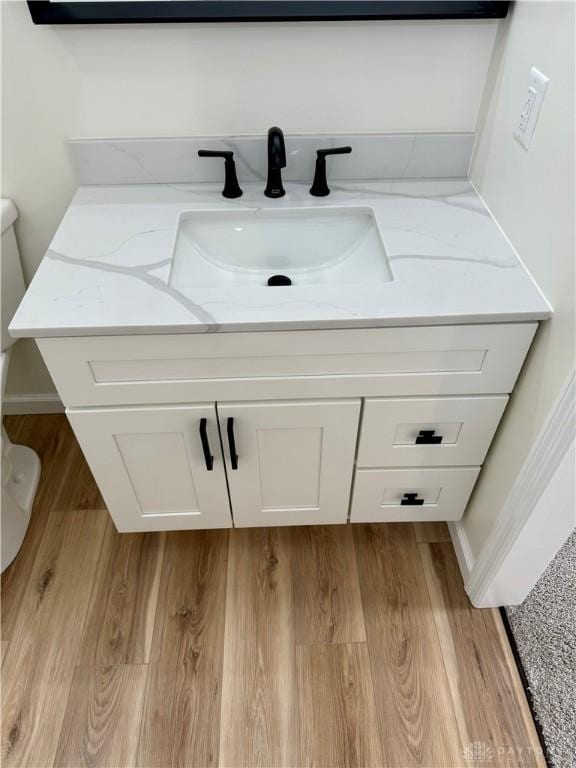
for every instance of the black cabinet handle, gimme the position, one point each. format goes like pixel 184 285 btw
pixel 428 437
pixel 232 442
pixel 208 458
pixel 320 186
pixel 231 186
pixel 411 500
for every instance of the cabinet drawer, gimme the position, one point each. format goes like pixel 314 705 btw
pixel 428 431
pixel 428 494
pixel 434 360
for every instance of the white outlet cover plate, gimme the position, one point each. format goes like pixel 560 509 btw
pixel 531 107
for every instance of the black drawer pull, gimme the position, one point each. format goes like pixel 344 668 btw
pixel 428 437
pixel 208 458
pixel 411 500
pixel 232 443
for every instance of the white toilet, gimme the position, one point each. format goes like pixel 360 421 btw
pixel 20 465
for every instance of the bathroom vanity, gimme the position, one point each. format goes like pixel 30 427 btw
pixel 367 390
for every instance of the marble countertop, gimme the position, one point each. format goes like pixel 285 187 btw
pixel 106 271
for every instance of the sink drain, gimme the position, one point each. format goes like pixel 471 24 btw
pixel 279 280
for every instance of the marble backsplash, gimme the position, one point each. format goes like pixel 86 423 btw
pixel 175 160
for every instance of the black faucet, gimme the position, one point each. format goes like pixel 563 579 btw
pixel 276 161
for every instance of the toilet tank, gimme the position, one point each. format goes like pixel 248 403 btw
pixel 11 270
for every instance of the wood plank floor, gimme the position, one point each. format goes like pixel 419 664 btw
pixel 322 646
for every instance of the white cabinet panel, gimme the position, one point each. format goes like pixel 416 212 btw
pixel 371 362
pixel 299 449
pixel 150 466
pixel 295 460
pixel 428 431
pixel 159 470
pixel 402 495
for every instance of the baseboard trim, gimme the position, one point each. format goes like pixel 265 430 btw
pixel 462 548
pixel 19 405
pixel 547 452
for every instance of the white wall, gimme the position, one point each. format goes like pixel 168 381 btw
pixel 165 80
pixel 550 524
pixel 531 194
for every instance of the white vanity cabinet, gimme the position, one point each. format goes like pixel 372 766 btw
pixel 287 427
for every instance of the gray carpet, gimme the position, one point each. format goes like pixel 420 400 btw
pixel 544 628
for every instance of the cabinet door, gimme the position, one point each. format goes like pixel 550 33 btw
pixel 294 460
pixel 151 467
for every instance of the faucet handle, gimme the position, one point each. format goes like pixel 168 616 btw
pixel 231 185
pixel 334 151
pixel 320 186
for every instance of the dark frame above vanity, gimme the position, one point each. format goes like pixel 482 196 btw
pixel 187 11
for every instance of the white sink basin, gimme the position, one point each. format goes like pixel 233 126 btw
pixel 311 246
